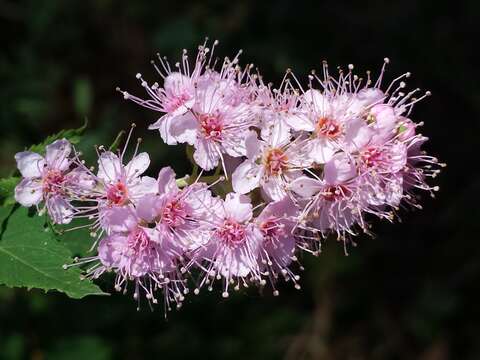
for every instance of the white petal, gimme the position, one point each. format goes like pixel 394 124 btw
pixel 274 189
pixel 242 260
pixel 143 186
pixel 319 103
pixel 177 83
pixel 138 165
pixel 299 122
pixel 238 207
pixel 184 128
pixel 30 164
pixel 306 187
pixel 164 127
pixel 358 135
pixel 246 177
pixel 29 192
pixel 206 155
pixel 57 154
pixel 321 151
pixel 110 168
pixel 280 134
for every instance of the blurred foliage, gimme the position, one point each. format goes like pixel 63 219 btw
pixel 409 293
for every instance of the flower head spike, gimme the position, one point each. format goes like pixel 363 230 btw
pixel 203 107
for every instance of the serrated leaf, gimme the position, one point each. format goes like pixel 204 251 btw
pixel 72 135
pixel 7 190
pixel 78 241
pixel 31 256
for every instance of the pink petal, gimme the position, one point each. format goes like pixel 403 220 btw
pixel 340 169
pixel 60 210
pixel 166 180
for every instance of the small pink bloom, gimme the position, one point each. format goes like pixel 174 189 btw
pixel 50 180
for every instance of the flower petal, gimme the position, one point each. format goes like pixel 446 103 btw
pixel 238 207
pixel 206 154
pixel 306 187
pixel 166 180
pixel 138 165
pixel 60 210
pixel 339 169
pixel 184 128
pixel 29 192
pixel 30 164
pixel 57 154
pixel 110 169
pixel 246 177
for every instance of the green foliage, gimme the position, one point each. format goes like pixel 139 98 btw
pixel 7 188
pixel 32 257
pixel 72 135
pixel 82 96
pixel 80 347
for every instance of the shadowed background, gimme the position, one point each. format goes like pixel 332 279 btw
pixel 408 293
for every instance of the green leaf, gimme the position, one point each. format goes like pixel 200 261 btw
pixel 78 241
pixel 7 190
pixel 72 135
pixel 31 256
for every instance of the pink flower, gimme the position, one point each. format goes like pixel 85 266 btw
pixel 123 183
pixel 272 163
pixel 333 204
pixel 205 108
pixel 50 180
pixel 277 251
pixel 232 247
pixel 140 252
pixel 182 214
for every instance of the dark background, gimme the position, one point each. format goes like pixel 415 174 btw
pixel 409 293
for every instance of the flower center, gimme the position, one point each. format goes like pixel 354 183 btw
pixel 173 102
pixel 138 241
pixel 336 192
pixel 212 126
pixel 328 128
pixel 52 182
pixel 271 230
pixel 117 194
pixel 232 233
pixel 275 161
pixel 371 157
pixel 174 213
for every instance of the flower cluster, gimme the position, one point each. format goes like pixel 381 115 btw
pixel 292 165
